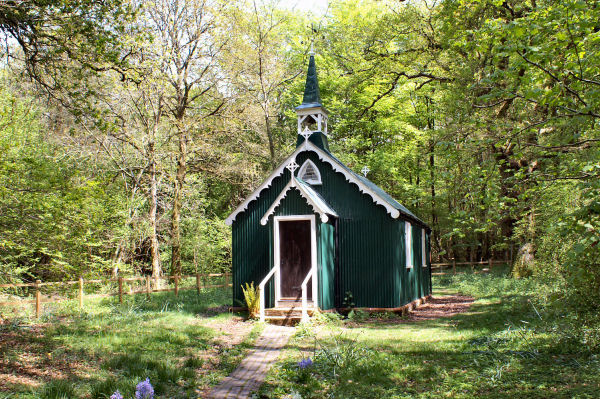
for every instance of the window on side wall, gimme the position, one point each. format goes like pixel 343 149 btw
pixel 423 248
pixel 408 244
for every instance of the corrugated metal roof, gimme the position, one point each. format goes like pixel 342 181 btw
pixel 315 197
pixel 388 198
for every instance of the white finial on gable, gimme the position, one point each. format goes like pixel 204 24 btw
pixel 365 170
pixel 312 48
pixel 292 166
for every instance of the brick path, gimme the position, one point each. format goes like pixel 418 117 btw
pixel 250 374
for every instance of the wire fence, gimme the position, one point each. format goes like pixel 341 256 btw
pixel 82 290
pixel 450 268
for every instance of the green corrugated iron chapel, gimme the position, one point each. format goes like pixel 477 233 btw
pixel 315 219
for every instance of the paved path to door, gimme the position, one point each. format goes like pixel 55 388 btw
pixel 250 374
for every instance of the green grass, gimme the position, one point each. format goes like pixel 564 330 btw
pixel 507 345
pixel 176 342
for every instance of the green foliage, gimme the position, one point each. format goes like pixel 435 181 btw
pixel 252 299
pixel 348 301
pixel 480 116
pixel 54 219
pixel 580 235
pixel 58 389
pixel 511 341
pixel 105 344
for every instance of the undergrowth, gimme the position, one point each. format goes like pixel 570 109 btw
pixel 513 341
pixel 92 353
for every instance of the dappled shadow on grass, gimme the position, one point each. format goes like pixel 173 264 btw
pixel 501 347
pixel 476 365
pixel 176 342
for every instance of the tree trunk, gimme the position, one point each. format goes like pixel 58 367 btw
pixel 154 251
pixel 434 219
pixel 176 215
pixel 116 259
pixel 271 142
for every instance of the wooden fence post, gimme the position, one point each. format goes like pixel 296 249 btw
pixel 176 285
pixel 80 292
pixel 454 266
pixel 226 280
pixel 198 282
pixel 38 299
pixel 148 287
pixel 490 262
pixel 121 290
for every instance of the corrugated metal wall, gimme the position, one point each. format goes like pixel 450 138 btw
pixel 414 281
pixel 371 254
pixel 368 238
pixel 326 265
pixel 251 242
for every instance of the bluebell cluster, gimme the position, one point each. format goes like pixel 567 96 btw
pixel 143 390
pixel 304 363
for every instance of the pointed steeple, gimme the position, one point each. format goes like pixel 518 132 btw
pixel 312 95
pixel 312 116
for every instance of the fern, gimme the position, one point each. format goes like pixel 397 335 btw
pixel 252 298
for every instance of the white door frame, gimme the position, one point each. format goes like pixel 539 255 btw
pixel 313 253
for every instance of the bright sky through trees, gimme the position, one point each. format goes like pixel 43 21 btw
pixel 317 7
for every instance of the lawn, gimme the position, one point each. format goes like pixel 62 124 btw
pixel 183 345
pixel 505 345
pixel 501 342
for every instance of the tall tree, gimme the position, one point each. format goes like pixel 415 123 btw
pixel 186 45
pixel 263 65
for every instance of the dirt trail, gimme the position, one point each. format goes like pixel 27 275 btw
pixel 441 306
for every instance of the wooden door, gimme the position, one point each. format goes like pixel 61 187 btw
pixel 295 257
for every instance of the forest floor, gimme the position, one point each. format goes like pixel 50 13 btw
pixel 482 336
pixel 184 345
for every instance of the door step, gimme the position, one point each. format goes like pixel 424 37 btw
pixel 293 303
pixel 286 315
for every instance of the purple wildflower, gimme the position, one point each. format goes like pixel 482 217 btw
pixel 304 363
pixel 144 390
pixel 116 395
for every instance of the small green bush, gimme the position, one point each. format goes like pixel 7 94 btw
pixel 252 298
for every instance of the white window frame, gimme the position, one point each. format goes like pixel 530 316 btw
pixel 313 253
pixel 423 248
pixel 303 168
pixel 408 243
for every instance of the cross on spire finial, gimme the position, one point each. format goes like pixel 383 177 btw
pixel 306 133
pixel 365 170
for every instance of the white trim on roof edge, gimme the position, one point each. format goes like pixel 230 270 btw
pixel 256 193
pixel 323 156
pixel 281 196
